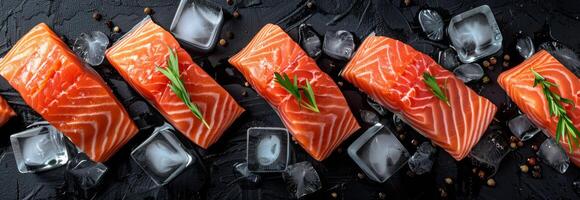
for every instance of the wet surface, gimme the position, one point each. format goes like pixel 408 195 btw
pixel 541 20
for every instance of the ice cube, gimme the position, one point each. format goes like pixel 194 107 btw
pixel 378 153
pixel 162 156
pixel 91 47
pixel 369 116
pixel 197 23
pixel 448 59
pixel 564 55
pixel 552 154
pixel 475 34
pixel 469 72
pixel 490 150
pixel 522 127
pixel 38 149
pixel 525 46
pixel 302 179
pixel 422 160
pixel 267 149
pixel 338 44
pixel 432 24
pixel 377 107
pixel 86 172
pixel 309 40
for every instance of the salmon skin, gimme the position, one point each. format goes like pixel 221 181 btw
pixel 146 46
pixel 70 96
pixel 518 82
pixel 5 111
pixel 272 50
pixel 391 73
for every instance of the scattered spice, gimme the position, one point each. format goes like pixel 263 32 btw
pixel 535 147
pixel 474 170
pixel 485 79
pixel 481 174
pixel 148 11
pixel 230 2
pixel 109 23
pixel 414 142
pixel 230 35
pixel 334 195
pixel 491 182
pixel 492 60
pixel 442 192
pixel 246 84
pixel 448 180
pixel 402 136
pixel 536 174
pixel 532 161
pixel 407 2
pixel 97 16
pixel 244 93
pixel 506 64
pixel 340 83
pixel 513 145
pixel 236 14
pixel 524 168
pixel 513 139
pixel 382 195
pixel 360 175
pixel 116 29
pixel 537 168
pixel 486 63
pixel 506 57
pixel 520 144
pixel 223 42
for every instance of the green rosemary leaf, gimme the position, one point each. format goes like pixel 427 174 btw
pixel 310 96
pixel 177 86
pixel 292 87
pixel 434 87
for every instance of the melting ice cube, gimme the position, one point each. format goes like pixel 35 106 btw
pixel 475 34
pixel 422 161
pixel 522 127
pixel 378 153
pixel 309 40
pixel 91 47
pixel 448 59
pixel 197 23
pixel 552 154
pixel 490 150
pixel 39 149
pixel 267 149
pixel 369 116
pixel 162 156
pixel 377 107
pixel 432 24
pixel 302 179
pixel 564 55
pixel 469 72
pixel 525 46
pixel 86 172
pixel 338 44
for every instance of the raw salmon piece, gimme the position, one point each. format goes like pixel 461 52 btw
pixel 518 82
pixel 5 111
pixel 391 73
pixel 147 46
pixel 272 50
pixel 69 95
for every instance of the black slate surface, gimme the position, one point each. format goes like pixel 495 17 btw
pixel 543 20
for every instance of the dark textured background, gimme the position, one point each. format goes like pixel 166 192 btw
pixel 215 179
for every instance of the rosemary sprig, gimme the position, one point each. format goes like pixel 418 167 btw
pixel 437 91
pixel 292 87
pixel 565 127
pixel 177 86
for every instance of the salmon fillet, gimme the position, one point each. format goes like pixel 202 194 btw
pixel 5 111
pixel 518 82
pixel 272 50
pixel 71 97
pixel 146 46
pixel 391 73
